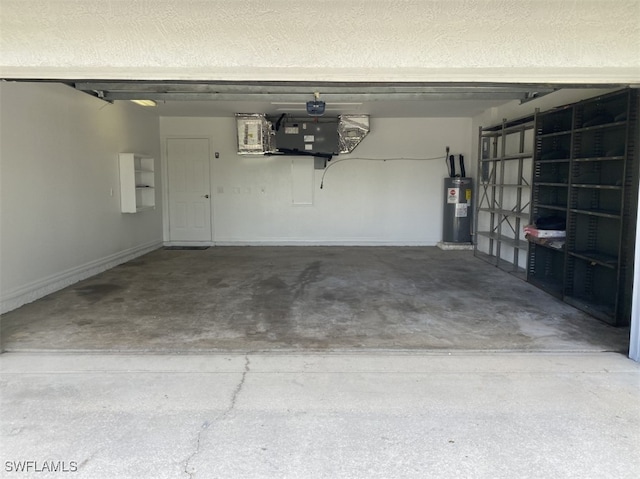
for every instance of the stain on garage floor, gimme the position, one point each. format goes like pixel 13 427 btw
pixel 305 298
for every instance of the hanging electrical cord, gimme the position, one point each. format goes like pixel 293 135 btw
pixel 374 159
pixel 446 159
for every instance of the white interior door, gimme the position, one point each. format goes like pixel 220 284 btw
pixel 189 190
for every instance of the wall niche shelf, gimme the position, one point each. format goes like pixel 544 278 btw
pixel 137 183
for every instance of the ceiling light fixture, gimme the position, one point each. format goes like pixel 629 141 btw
pixel 144 102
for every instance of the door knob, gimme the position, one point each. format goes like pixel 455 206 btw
pixel 206 196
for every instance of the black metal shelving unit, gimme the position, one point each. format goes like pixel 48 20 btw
pixel 585 172
pixel 597 246
pixel 550 195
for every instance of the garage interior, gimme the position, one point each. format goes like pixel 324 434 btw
pixel 301 320
pixel 286 254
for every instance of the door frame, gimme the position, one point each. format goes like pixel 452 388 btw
pixel 165 187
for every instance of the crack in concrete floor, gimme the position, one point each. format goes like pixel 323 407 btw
pixel 206 424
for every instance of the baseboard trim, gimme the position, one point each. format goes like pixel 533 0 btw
pixel 30 292
pixel 322 243
pixel 189 243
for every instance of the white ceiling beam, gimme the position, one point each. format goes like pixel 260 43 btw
pixel 334 97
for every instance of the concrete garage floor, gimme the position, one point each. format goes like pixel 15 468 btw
pixel 355 363
pixel 383 415
pixel 304 299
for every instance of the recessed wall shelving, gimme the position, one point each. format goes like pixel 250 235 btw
pixel 137 183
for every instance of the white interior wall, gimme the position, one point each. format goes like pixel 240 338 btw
pixel 394 40
pixel 396 202
pixel 58 164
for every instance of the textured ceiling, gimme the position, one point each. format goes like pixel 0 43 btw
pixel 511 41
pixel 395 40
